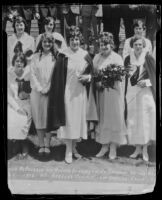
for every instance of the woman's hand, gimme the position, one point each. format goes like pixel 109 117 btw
pixel 84 78
pixel 99 86
pixel 44 91
pixel 24 95
pixel 141 83
pixel 21 111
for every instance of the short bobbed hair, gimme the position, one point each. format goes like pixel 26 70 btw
pixel 135 38
pixel 19 19
pixel 46 21
pixel 21 56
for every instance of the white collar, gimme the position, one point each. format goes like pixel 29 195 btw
pixel 139 61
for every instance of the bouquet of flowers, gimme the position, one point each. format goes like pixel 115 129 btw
pixel 110 74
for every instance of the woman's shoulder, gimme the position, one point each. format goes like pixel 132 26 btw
pixel 29 36
pixel 116 55
pixel 35 56
pixel 83 52
pixel 57 35
pixel 12 37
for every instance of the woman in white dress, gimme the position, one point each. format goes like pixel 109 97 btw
pixel 42 66
pixel 140 95
pixel 21 36
pixel 68 94
pixel 19 110
pixel 111 129
pixel 49 27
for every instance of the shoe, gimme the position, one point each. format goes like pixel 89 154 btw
pixel 41 150
pixel 145 154
pixel 24 155
pixel 76 154
pixel 136 153
pixel 102 152
pixel 112 154
pixel 47 150
pixel 68 158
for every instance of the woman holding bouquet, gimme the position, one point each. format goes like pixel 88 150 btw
pixel 111 130
pixel 68 94
pixel 140 91
pixel 19 36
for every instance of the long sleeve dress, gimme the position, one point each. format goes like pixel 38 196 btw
pixel 110 106
pixel 141 113
pixel 27 41
pixel 41 71
pixel 67 109
pixel 18 124
pixel 75 98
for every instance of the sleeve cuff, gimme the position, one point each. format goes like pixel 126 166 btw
pixel 148 83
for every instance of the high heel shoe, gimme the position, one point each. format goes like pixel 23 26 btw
pixel 76 154
pixel 136 153
pixel 47 150
pixel 102 152
pixel 145 154
pixel 68 158
pixel 41 150
pixel 112 154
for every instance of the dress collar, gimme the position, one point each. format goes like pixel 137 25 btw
pixel 140 60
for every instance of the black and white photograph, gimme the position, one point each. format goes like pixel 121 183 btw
pixel 82 98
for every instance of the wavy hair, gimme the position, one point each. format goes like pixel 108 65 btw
pixel 107 38
pixel 19 20
pixel 135 38
pixel 46 21
pixel 50 38
pixel 74 31
pixel 22 58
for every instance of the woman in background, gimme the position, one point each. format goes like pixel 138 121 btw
pixel 49 27
pixel 19 35
pixel 139 29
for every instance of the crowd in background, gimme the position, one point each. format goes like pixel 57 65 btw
pixel 51 84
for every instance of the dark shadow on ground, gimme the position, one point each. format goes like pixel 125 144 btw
pixel 87 148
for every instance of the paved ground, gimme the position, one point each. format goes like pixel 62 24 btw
pixel 89 175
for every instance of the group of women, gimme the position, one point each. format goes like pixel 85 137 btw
pixel 65 96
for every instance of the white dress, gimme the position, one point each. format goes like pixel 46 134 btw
pixel 110 104
pixel 18 124
pixel 56 36
pixel 75 97
pixel 141 117
pixel 127 49
pixel 27 41
pixel 41 72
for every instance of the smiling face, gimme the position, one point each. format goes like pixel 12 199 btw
pixel 138 46
pixel 19 66
pixel 105 49
pixel 49 26
pixel 74 43
pixel 20 27
pixel 47 45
